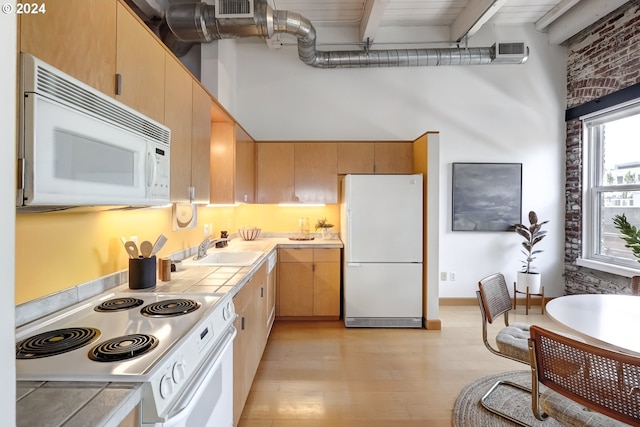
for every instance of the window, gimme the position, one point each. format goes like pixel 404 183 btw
pixel 611 186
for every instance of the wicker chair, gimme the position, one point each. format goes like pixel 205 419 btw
pixel 511 341
pixel 578 376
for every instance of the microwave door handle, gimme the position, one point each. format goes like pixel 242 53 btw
pixel 153 170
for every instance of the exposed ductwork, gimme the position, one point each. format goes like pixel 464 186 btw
pixel 189 23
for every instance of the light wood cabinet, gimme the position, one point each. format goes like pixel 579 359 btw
pixel 309 283
pixel 76 36
pixel 188 115
pixel 275 180
pixel 140 64
pixel 200 144
pixel 233 164
pixel 245 164
pixel 303 172
pixel 178 105
pixel 316 172
pixel 100 43
pixel 375 157
pixel 356 157
pixel 393 157
pixel 251 307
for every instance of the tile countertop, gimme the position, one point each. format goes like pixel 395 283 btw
pixel 106 404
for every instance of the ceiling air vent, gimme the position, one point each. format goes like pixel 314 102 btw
pixel 509 53
pixel 234 8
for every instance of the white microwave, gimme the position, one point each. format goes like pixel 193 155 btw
pixel 79 147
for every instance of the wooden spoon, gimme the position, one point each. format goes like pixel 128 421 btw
pixel 146 248
pixel 132 249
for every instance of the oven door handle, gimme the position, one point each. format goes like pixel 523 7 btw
pixel 204 374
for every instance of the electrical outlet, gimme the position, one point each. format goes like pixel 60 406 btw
pixel 443 276
pixel 207 230
pixel 452 276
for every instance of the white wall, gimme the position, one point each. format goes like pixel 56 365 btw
pixel 489 113
pixel 7 213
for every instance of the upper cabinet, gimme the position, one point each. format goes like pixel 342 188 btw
pixel 393 157
pixel 233 162
pixel 76 36
pixel 139 66
pixel 375 157
pixel 356 157
pixel 245 167
pixel 177 113
pixel 187 113
pixel 200 144
pixel 316 172
pixel 275 175
pixel 103 44
pixel 302 172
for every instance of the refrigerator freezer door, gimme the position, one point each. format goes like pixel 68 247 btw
pixel 384 218
pixel 382 290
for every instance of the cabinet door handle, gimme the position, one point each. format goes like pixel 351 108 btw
pixel 261 292
pixel 313 268
pixel 118 84
pixel 242 323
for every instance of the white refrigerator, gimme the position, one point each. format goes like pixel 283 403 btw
pixel 381 228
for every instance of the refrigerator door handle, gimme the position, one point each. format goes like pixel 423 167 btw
pixel 353 264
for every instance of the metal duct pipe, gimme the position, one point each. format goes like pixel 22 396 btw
pixel 299 26
pixel 196 22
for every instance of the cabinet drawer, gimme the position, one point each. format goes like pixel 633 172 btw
pixel 295 255
pixel 326 255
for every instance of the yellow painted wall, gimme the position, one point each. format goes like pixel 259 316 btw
pixel 56 251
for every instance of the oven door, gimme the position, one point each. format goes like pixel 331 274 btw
pixel 208 400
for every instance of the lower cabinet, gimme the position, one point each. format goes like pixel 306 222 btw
pixel 308 283
pixel 252 308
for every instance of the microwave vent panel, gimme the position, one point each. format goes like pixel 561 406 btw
pixel 62 88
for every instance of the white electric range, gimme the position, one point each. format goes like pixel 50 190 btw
pixel 179 345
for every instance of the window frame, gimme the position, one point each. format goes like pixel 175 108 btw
pixel 592 190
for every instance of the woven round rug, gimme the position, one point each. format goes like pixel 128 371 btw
pixel 468 412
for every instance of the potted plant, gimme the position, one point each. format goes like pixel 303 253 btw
pixel 325 227
pixel 532 235
pixel 631 235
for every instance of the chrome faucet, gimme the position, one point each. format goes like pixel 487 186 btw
pixel 205 245
pixel 202 249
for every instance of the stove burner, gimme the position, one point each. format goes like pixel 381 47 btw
pixel 123 348
pixel 170 307
pixel 55 342
pixel 118 304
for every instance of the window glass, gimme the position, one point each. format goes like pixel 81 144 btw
pixel 613 144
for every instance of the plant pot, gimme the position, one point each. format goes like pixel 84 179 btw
pixel 326 233
pixel 532 280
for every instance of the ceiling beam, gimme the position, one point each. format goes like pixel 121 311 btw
pixel 585 13
pixel 556 12
pixel 371 18
pixel 474 16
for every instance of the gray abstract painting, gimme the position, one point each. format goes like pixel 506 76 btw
pixel 486 196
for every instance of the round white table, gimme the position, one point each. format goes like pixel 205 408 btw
pixel 607 320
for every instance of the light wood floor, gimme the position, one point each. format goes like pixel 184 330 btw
pixel 321 374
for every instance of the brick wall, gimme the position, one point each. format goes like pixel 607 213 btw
pixel 602 59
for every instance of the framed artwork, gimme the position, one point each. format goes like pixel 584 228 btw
pixel 486 196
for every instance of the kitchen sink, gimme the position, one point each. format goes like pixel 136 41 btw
pixel 232 258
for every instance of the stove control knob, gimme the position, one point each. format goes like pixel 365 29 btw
pixel 166 386
pixel 178 372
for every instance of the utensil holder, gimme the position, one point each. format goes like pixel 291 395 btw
pixel 142 272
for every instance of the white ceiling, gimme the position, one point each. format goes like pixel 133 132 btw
pixel 447 20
